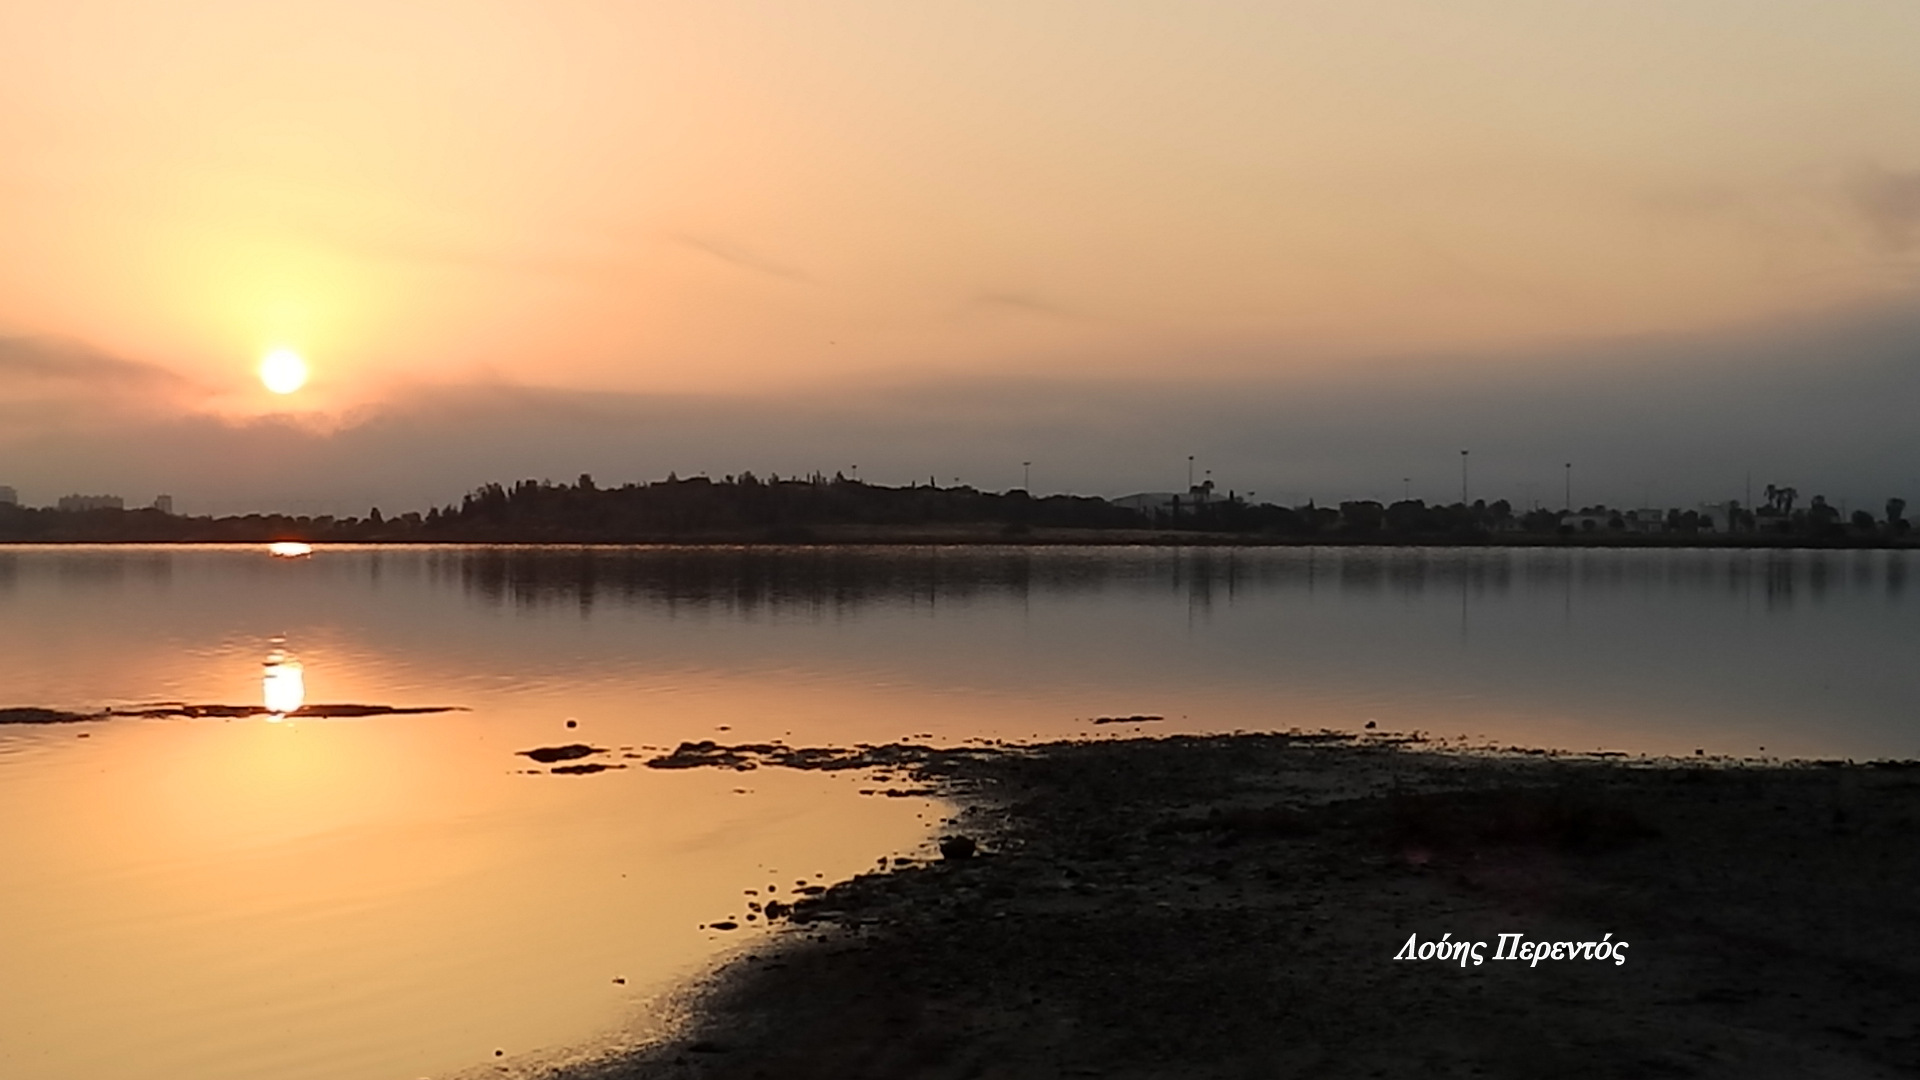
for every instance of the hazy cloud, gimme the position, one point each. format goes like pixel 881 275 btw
pixel 49 384
pixel 1890 203
pixel 35 361
pixel 1826 405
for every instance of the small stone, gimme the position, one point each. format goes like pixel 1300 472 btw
pixel 958 847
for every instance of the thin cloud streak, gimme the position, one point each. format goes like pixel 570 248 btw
pixel 1019 301
pixel 736 255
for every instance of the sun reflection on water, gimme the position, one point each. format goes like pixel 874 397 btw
pixel 289 549
pixel 283 683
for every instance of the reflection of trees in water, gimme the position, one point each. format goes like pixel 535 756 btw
pixel 749 578
pixel 1779 577
pixel 107 566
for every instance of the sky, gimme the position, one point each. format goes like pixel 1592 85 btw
pixel 1321 247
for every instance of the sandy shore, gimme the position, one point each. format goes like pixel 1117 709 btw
pixel 1232 907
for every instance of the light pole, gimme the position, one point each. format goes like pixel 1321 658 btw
pixel 1189 472
pixel 1463 478
pixel 1406 488
pixel 1026 476
pixel 1569 476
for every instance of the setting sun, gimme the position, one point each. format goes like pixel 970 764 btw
pixel 283 371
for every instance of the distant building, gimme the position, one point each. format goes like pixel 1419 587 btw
pixel 1649 520
pixel 163 503
pixel 9 497
pixel 1720 517
pixel 74 504
pixel 1148 501
pixel 1167 502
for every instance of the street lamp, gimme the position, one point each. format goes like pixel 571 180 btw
pixel 1569 475
pixel 1463 478
pixel 1026 476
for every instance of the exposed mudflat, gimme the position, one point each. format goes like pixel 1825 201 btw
pixel 1231 907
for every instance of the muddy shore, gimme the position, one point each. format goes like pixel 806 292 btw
pixel 1233 906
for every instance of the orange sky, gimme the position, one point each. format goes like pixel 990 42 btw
pixel 715 196
pixel 1321 245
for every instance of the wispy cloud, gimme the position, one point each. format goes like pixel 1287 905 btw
pixel 746 259
pixel 1019 301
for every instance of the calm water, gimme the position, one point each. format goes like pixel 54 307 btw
pixel 400 896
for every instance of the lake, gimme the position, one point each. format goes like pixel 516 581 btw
pixel 406 895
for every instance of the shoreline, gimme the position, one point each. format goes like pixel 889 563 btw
pixel 1228 906
pixel 830 538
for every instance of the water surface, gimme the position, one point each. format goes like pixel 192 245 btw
pixel 403 895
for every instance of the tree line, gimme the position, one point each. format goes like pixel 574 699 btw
pixel 748 508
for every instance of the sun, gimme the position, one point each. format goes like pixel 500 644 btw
pixel 282 371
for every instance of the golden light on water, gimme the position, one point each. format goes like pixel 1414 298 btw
pixel 283 371
pixel 283 683
pixel 289 549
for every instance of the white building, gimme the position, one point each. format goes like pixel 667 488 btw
pixel 163 503
pixel 9 497
pixel 1717 516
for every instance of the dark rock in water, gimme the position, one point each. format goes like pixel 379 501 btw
pixel 547 755
pixel 778 910
pixel 958 847
pixel 725 924
pixel 43 716
pixel 1128 719
pixel 581 770
pixel 706 752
